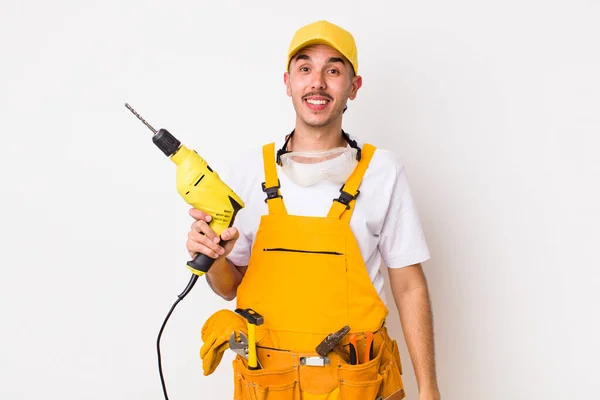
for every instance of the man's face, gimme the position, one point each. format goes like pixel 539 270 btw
pixel 320 81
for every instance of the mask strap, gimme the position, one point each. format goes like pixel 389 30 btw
pixel 283 150
pixel 353 144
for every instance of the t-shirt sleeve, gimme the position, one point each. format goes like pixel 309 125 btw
pixel 402 240
pixel 240 255
pixel 237 181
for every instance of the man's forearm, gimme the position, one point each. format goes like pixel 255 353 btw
pixel 224 278
pixel 415 315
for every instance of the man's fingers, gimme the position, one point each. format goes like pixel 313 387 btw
pixel 199 215
pixel 230 234
pixel 200 248
pixel 202 239
pixel 196 238
pixel 202 227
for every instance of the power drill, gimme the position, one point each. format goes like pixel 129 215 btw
pixel 203 189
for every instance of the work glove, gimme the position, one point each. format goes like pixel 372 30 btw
pixel 215 334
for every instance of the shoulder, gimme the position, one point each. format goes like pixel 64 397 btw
pixel 384 161
pixel 246 171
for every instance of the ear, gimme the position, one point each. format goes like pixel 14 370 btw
pixel 356 84
pixel 286 81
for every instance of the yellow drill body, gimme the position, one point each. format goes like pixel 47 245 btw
pixel 202 188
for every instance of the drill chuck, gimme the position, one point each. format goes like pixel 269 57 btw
pixel 166 142
pixel 162 138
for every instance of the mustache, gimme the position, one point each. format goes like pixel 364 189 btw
pixel 322 94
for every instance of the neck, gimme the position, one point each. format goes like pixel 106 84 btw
pixel 307 138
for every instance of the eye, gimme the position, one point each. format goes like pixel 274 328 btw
pixel 303 69
pixel 334 71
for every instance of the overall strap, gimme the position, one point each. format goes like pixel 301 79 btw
pixel 343 206
pixel 271 184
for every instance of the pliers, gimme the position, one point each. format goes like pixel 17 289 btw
pixel 241 346
pixel 368 348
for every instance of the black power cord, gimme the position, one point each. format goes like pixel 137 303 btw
pixel 189 287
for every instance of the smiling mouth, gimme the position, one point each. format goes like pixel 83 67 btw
pixel 317 102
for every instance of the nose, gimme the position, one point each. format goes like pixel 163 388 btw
pixel 318 80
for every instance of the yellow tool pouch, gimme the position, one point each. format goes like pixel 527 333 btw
pixel 283 376
pixel 307 278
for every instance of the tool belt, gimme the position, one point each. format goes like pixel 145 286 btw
pixel 289 375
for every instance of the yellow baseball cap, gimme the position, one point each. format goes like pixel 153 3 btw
pixel 324 32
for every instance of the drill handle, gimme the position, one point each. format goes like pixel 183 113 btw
pixel 199 266
pixel 201 263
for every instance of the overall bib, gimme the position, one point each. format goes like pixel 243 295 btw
pixel 307 278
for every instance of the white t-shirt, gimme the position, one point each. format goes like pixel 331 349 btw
pixel 385 220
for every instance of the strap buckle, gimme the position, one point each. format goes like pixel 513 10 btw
pixel 345 197
pixel 272 192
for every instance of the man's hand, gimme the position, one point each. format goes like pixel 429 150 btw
pixel 202 239
pixel 223 276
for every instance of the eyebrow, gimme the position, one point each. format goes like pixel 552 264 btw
pixel 330 61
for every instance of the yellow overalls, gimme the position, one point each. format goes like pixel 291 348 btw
pixel 307 278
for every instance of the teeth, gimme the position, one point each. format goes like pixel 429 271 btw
pixel 317 102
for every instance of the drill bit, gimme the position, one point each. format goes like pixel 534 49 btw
pixel 140 118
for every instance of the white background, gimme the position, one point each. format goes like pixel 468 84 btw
pixel 493 106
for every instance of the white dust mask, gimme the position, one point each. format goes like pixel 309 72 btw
pixel 307 168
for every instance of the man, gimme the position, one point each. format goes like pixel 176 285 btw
pixel 310 265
